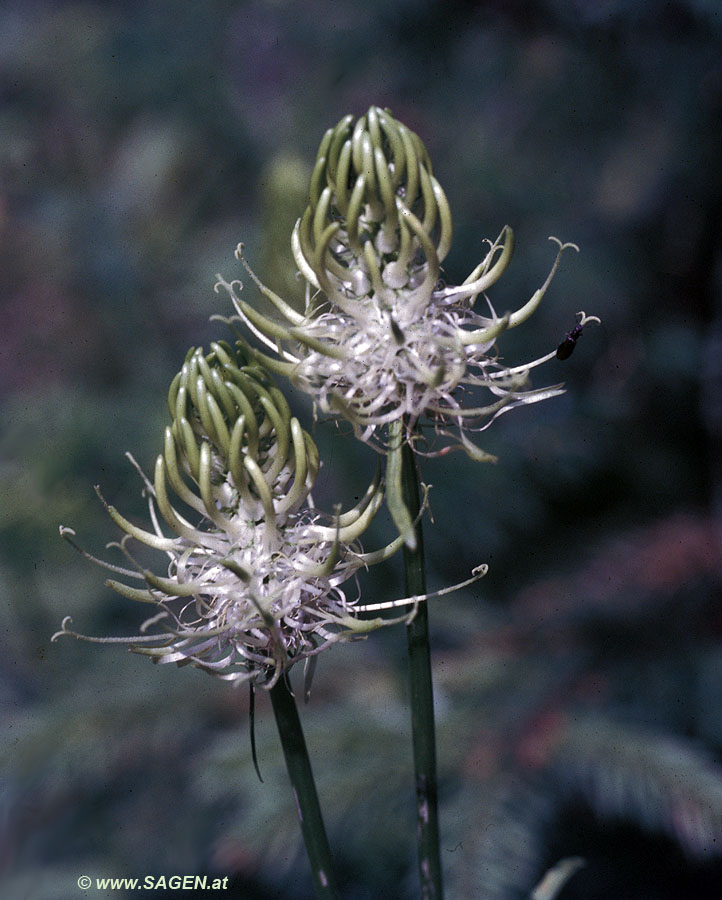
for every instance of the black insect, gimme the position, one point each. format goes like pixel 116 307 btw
pixel 566 348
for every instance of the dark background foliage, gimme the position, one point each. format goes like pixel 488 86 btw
pixel 579 685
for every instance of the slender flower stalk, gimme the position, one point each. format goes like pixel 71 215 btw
pixel 304 789
pixel 421 693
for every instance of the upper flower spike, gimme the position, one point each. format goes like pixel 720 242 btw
pixel 382 340
pixel 254 570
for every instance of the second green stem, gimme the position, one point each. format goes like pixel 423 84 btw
pixel 304 789
pixel 421 695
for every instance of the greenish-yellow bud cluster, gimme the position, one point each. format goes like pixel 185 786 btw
pixel 376 218
pixel 233 436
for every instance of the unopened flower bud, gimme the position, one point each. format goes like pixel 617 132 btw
pixel 374 207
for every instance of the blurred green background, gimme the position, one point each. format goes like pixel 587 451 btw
pixel 580 683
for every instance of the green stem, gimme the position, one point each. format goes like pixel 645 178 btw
pixel 421 696
pixel 304 790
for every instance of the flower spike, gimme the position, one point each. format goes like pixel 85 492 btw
pixel 254 571
pixel 383 341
